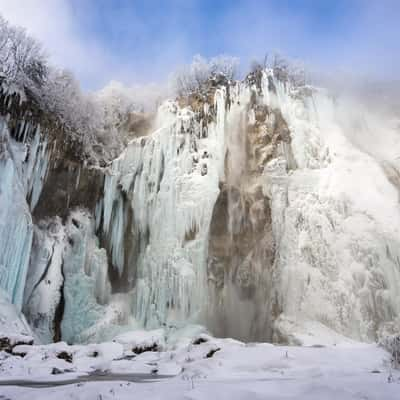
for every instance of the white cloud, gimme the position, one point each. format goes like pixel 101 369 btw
pixel 52 23
pixel 132 48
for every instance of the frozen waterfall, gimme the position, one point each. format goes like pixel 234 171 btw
pixel 288 159
pixel 23 166
pixel 261 210
pixel 158 202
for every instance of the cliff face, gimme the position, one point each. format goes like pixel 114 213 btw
pixel 251 208
pixel 44 176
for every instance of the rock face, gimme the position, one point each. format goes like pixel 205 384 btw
pixel 69 184
pixel 241 254
pixel 255 208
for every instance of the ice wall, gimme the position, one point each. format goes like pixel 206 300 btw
pixel 335 218
pixel 23 165
pixel 304 218
pixel 241 244
pixel 159 195
pixel 68 293
pixel 43 295
pixel 268 210
pixel 86 286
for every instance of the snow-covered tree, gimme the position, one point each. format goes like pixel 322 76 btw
pixel 191 78
pixel 23 63
pixel 224 65
pixel 63 97
pixel 286 70
pixel 22 59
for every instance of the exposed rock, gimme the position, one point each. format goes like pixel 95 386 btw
pixel 199 340
pixel 212 352
pixel 241 243
pixel 8 342
pixel 69 184
pixel 143 349
pixel 64 355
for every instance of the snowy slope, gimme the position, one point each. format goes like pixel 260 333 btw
pixel 200 369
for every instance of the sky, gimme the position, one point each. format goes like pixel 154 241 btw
pixel 138 42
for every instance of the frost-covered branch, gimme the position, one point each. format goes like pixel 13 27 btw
pixel 284 70
pixel 191 78
pixel 22 59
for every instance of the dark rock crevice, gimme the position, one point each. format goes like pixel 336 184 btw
pixel 58 315
pixel 44 274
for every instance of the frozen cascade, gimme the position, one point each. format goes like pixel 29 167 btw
pixel 280 157
pixel 44 283
pixel 16 234
pixel 161 192
pixel 23 166
pixel 266 212
pixel 241 246
pixel 86 285
pixel 336 219
pixel 68 294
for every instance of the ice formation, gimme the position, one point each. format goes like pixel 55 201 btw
pixel 162 190
pixel 23 166
pixel 260 209
pixel 68 294
pixel 44 282
pixel 158 201
pixel 336 219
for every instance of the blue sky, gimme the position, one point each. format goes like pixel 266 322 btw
pixel 143 41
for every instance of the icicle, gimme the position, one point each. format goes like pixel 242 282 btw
pixel 15 233
pixel 78 178
pixel 171 202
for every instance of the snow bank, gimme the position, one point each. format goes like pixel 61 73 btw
pixel 220 368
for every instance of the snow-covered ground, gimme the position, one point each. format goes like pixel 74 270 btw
pixel 197 366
